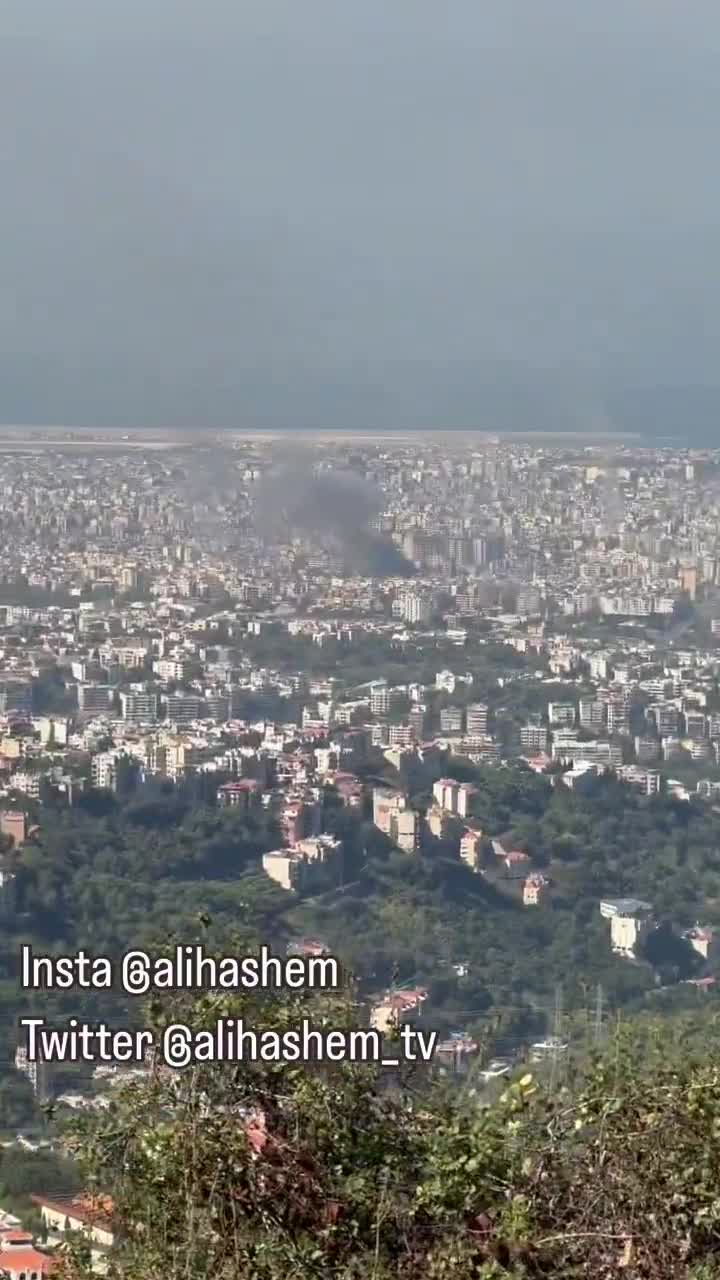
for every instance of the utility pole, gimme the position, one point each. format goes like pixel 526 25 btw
pixel 598 1034
pixel 557 1028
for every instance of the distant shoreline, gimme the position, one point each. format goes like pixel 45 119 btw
pixel 26 439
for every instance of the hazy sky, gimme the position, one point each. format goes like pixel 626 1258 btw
pixel 353 212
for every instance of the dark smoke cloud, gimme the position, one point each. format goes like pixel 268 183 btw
pixel 208 480
pixel 332 508
pixel 379 557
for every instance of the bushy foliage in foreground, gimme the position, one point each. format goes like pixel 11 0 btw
pixel 257 1173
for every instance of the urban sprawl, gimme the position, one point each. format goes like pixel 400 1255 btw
pixel 241 614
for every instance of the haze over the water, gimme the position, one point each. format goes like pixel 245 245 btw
pixel 367 215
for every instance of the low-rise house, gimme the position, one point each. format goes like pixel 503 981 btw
pixel 573 775
pixel 20 1260
pixel 396 1005
pixel 83 1215
pixel 538 763
pixel 533 889
pixel 550 1047
pixel 630 922
pixel 704 940
pixel 456 1051
pixel 306 947
pixel 27 783
pixel 292 868
pixel 282 866
pixel 647 781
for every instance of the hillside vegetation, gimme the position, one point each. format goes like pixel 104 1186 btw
pixel 278 1172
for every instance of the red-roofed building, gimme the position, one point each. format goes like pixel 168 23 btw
pixel 455 1051
pixel 22 1261
pixel 539 763
pixel 87 1215
pixel 395 1006
pixel 307 947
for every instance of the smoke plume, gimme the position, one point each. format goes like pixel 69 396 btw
pixel 334 509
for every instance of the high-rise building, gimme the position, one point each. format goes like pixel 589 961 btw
pixel 618 716
pixel 416 720
pixel 666 718
pixel 414 608
pixel 139 708
pixel 461 551
pixel 470 845
pixel 451 720
pixel 476 719
pixel 696 725
pixel 646 750
pixel 592 714
pixel 94 699
pixel 379 698
pixel 105 767
pixel 562 713
pixel 533 737
pixel 16 695
pixel 401 735
pixel 445 794
pixel 599 666
pixel 529 601
pixel 405 830
pixel 689 580
pixel 182 709
pixel 218 706
pixel 465 799
pixel 393 816
pixel 479 550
